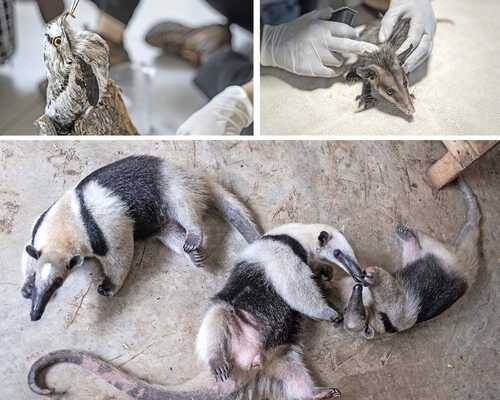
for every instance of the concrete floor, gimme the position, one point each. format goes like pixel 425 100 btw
pixel 364 188
pixel 455 93
pixel 174 96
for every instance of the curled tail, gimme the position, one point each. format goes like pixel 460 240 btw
pixel 133 387
pixel 467 241
pixel 235 212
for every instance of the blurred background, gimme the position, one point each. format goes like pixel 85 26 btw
pixel 158 88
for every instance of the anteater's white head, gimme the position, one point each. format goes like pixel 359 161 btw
pixel 51 269
pixel 322 243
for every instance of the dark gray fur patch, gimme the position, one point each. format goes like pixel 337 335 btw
pixel 436 288
pixel 94 232
pixel 289 241
pixel 137 181
pixel 248 289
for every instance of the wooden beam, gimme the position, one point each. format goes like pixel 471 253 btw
pixel 460 155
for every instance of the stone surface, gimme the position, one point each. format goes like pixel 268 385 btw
pixel 364 188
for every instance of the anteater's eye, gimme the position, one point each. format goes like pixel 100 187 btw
pixel 390 92
pixel 57 41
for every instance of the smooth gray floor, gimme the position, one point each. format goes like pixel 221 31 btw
pixel 174 96
pixel 149 329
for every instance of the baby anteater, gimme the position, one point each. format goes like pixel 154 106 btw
pixel 434 276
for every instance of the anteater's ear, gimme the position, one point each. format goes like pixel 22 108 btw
pixel 368 72
pixel 323 238
pixel 33 252
pixel 405 54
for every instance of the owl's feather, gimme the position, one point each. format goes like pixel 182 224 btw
pixel 89 82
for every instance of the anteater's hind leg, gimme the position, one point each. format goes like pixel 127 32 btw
pixel 416 245
pixel 296 381
pixel 411 249
pixel 188 215
pixel 173 236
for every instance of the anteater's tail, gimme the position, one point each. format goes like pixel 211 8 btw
pixel 135 388
pixel 235 212
pixel 467 241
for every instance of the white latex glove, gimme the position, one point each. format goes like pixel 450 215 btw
pixel 228 113
pixel 311 45
pixel 422 29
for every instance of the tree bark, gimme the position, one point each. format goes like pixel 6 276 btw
pixel 110 117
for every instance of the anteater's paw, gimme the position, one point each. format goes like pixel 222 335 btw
pixel 106 288
pixel 329 314
pixel 29 285
pixel 192 242
pixel 326 393
pixel 198 258
pixel 405 233
pixel 27 291
pixel 221 370
pixel 338 322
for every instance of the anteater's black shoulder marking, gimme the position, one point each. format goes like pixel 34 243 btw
pixel 137 181
pixel 37 225
pixel 248 289
pixel 436 288
pixel 296 247
pixel 94 232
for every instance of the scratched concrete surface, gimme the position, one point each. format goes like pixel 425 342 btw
pixel 149 328
pixel 453 92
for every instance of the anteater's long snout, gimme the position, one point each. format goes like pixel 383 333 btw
pixel 40 299
pixel 351 265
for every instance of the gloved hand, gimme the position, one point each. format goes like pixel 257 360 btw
pixel 228 113
pixel 422 29
pixel 311 45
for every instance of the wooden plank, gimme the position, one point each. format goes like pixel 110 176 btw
pixel 444 171
pixel 482 146
pixel 462 151
pixel 461 154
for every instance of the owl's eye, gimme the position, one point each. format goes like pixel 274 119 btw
pixel 57 41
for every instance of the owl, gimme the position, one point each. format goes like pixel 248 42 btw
pixel 77 70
